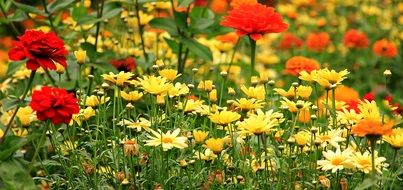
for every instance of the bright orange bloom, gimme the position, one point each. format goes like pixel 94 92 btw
pixel 236 3
pixel 229 37
pixel 355 39
pixel 317 41
pixel 219 6
pixel 298 63
pixel 254 20
pixel 385 48
pixel 289 41
pixel 371 127
pixel 343 93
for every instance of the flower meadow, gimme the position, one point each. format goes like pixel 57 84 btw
pixel 201 94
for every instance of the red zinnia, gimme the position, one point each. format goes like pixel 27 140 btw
pixel 254 20
pixel 55 104
pixel 317 41
pixel 126 65
pixel 290 41
pixel 41 49
pixel 355 39
pixel 385 48
pixel 298 63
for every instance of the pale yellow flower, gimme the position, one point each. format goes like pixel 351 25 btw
pixel 167 140
pixel 257 92
pixel 94 101
pixel 139 124
pixel 132 96
pixel 155 85
pixel 336 160
pixel 224 117
pixel 170 74
pixel 26 115
pixel 364 163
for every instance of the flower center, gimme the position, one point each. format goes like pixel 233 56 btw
pixel 337 161
pixel 167 140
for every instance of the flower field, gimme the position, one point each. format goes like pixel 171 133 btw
pixel 201 94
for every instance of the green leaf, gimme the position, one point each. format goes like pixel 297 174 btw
pixel 367 183
pixel 58 5
pixel 181 20
pixel 184 3
pixel 197 48
pixel 165 24
pixel 172 44
pixel 28 9
pixel 15 175
pixel 78 12
pixel 10 145
pixel 14 67
pixel 107 15
pixel 106 67
pixel 10 103
pixel 18 16
pixel 90 49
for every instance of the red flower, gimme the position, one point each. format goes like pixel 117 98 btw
pixel 55 104
pixel 126 65
pixel 296 64
pixel 385 48
pixel 41 49
pixel 254 20
pixel 290 41
pixel 317 41
pixel 355 39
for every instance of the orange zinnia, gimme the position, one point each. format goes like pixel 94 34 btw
pixel 385 48
pixel 254 20
pixel 298 63
pixel 317 41
pixel 289 41
pixel 371 127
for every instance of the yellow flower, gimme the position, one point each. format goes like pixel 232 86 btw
pixel 84 115
pixel 257 92
pixel 200 136
pixel 1 133
pixel 207 155
pixel 131 96
pixel 80 55
pixel 348 117
pixel 178 90
pixel 167 140
pixel 190 105
pixel 363 162
pixel 369 110
pixel 302 138
pixel 154 85
pixel 248 104
pixel 141 123
pixel 145 18
pixel 94 101
pixel 309 77
pixel 304 91
pixel 224 117
pixel 26 115
pixel 170 74
pixel 206 85
pixel 333 137
pixel 216 145
pixel 292 106
pixel 67 146
pixel 258 124
pixel 160 99
pixel 326 78
pixel 119 79
pixel 288 94
pixel 21 132
pixel 336 160
pixel 213 95
pixel 395 139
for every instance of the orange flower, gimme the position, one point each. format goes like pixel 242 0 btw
pixel 236 3
pixel 229 37
pixel 254 20
pixel 343 93
pixel 371 127
pixel 385 48
pixel 298 63
pixel 219 6
pixel 289 41
pixel 317 41
pixel 355 39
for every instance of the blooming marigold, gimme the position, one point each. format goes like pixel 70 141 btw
pixel 317 41
pixel 298 63
pixel 254 20
pixel 41 49
pixel 371 127
pixel 385 48
pixel 355 39
pixel 55 104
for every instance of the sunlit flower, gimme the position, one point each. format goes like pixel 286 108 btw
pixel 317 41
pixel 395 139
pixel 189 105
pixel 257 92
pixel 80 55
pixel 363 162
pixel 263 20
pixel 83 115
pixel 370 127
pixel 167 140
pixel 332 137
pixel 200 136
pixel 26 115
pixel 154 85
pixel 244 104
pixel 302 138
pixel 206 85
pixel 120 79
pixel 224 117
pixel 139 124
pixel 296 64
pixel 258 124
pixel 326 78
pixel 170 74
pixel 385 48
pixel 207 155
pixel 215 145
pixel 132 96
pixel 355 39
pixel 336 160
pixel 178 89
pixel 292 106
pixel 94 101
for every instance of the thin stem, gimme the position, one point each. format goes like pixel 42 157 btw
pixel 252 57
pixel 52 80
pixel 49 16
pixel 3 11
pixel 141 31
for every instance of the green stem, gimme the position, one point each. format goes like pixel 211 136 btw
pixel 49 16
pixel 252 57
pixel 141 30
pixel 334 108
pixel 52 80
pixel 3 11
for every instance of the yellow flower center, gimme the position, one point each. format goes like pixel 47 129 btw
pixel 337 161
pixel 167 140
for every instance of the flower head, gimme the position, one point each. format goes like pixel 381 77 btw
pixel 371 127
pixel 155 85
pixel 55 104
pixel 385 48
pixel 41 49
pixel 317 41
pixel 126 65
pixel 254 20
pixel 224 117
pixel 167 140
pixel 215 145
pixel 355 39
pixel 395 139
pixel 200 136
pixel 336 160
pixel 298 63
pixel 363 162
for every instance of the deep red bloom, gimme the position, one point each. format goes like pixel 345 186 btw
pixel 55 104
pixel 254 20
pixel 290 41
pixel 41 49
pixel 355 39
pixel 126 65
pixel 369 96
